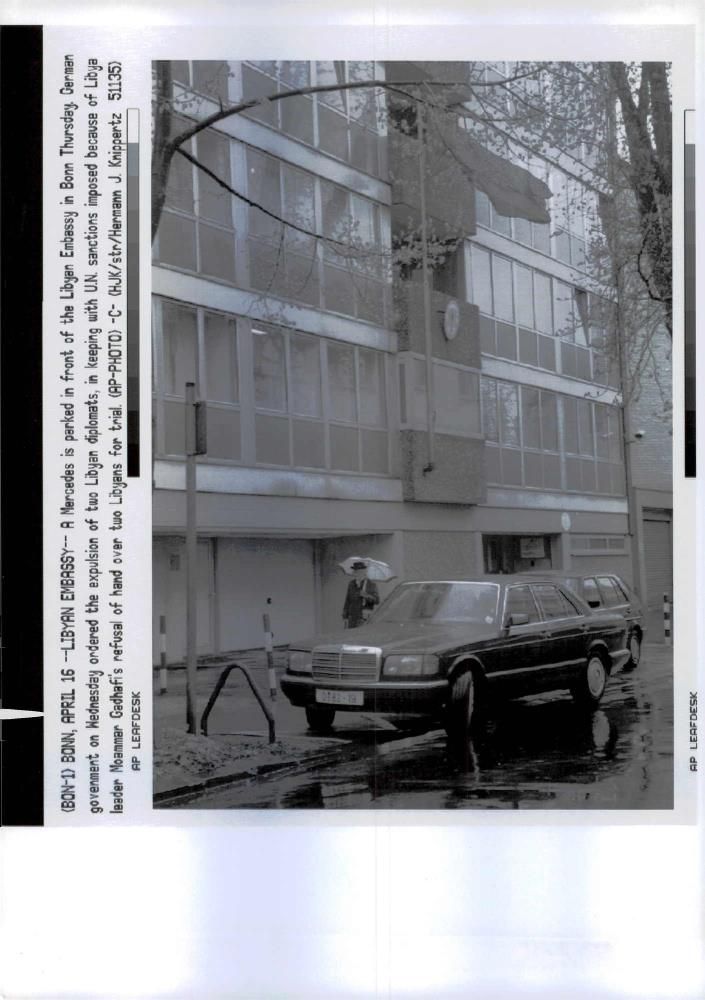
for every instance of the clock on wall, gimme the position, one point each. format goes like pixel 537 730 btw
pixel 451 320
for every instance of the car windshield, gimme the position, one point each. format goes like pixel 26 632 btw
pixel 441 602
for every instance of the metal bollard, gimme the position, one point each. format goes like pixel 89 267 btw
pixel 666 620
pixel 268 646
pixel 162 654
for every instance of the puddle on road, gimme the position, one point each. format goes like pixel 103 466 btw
pixel 537 754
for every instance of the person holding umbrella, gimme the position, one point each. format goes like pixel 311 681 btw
pixel 362 595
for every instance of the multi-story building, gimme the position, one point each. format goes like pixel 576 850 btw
pixel 315 345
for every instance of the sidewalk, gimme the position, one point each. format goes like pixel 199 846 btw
pixel 237 746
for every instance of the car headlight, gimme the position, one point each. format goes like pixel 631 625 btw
pixel 410 665
pixel 300 661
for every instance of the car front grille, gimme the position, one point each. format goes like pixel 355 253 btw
pixel 346 663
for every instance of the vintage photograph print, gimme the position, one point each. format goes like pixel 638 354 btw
pixel 412 435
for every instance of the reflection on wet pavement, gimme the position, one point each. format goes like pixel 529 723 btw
pixel 536 753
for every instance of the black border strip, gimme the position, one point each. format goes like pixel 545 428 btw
pixel 21 548
pixel 689 356
pixel 133 302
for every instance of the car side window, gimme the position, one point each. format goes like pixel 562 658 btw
pixel 621 588
pixel 553 602
pixel 610 594
pixel 591 593
pixel 520 601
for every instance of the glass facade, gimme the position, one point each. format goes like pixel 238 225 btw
pixel 280 397
pixel 345 270
pixel 542 439
pixel 306 402
pixel 526 315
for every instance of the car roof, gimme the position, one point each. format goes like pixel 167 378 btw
pixel 498 578
pixel 562 574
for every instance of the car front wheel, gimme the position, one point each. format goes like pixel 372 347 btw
pixel 320 718
pixel 590 687
pixel 634 651
pixel 461 708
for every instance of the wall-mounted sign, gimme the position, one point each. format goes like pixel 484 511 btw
pixel 533 547
pixel 451 320
pixel 565 521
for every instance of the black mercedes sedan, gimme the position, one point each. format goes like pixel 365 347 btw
pixel 449 649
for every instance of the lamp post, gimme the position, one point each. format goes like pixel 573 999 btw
pixel 195 433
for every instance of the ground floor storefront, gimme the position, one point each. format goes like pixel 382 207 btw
pixel 281 555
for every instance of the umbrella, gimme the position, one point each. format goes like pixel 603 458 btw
pixel 376 569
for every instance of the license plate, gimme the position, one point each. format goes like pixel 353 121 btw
pixel 340 697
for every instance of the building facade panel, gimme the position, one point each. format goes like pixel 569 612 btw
pixel 296 304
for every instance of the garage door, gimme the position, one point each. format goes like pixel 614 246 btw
pixel 658 566
pixel 255 575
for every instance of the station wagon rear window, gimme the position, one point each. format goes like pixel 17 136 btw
pixel 472 603
pixel 610 595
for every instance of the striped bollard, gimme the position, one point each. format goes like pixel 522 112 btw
pixel 268 646
pixel 666 620
pixel 162 654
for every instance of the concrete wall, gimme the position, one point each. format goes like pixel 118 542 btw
pixel 450 202
pixel 410 325
pixel 458 474
pixel 235 578
pixel 169 583
pixel 440 555
pixel 250 570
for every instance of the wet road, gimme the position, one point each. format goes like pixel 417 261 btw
pixel 537 753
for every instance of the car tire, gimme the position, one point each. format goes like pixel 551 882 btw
pixel 461 710
pixel 588 690
pixel 320 718
pixel 634 645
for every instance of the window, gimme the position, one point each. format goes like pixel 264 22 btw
pixel 196 231
pixel 198 346
pixel 610 593
pixel 531 442
pixel 305 363
pixel 553 602
pixel 575 219
pixel 523 311
pixel 481 279
pixel 285 260
pixel 319 404
pixel 523 422
pixel 344 124
pixel 590 593
pixel 520 601
pixel 220 358
pixel 315 404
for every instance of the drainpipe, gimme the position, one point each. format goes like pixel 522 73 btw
pixel 430 394
pixel 633 528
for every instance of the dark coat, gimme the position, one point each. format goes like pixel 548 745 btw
pixel 360 598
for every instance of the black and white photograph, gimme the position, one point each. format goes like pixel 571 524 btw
pixel 412 435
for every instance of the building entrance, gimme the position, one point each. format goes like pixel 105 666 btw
pixel 516 553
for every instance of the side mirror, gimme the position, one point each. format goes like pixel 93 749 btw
pixel 594 604
pixel 517 619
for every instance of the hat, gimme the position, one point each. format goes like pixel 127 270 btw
pixel 358 564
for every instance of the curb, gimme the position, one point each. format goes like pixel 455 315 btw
pixel 315 759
